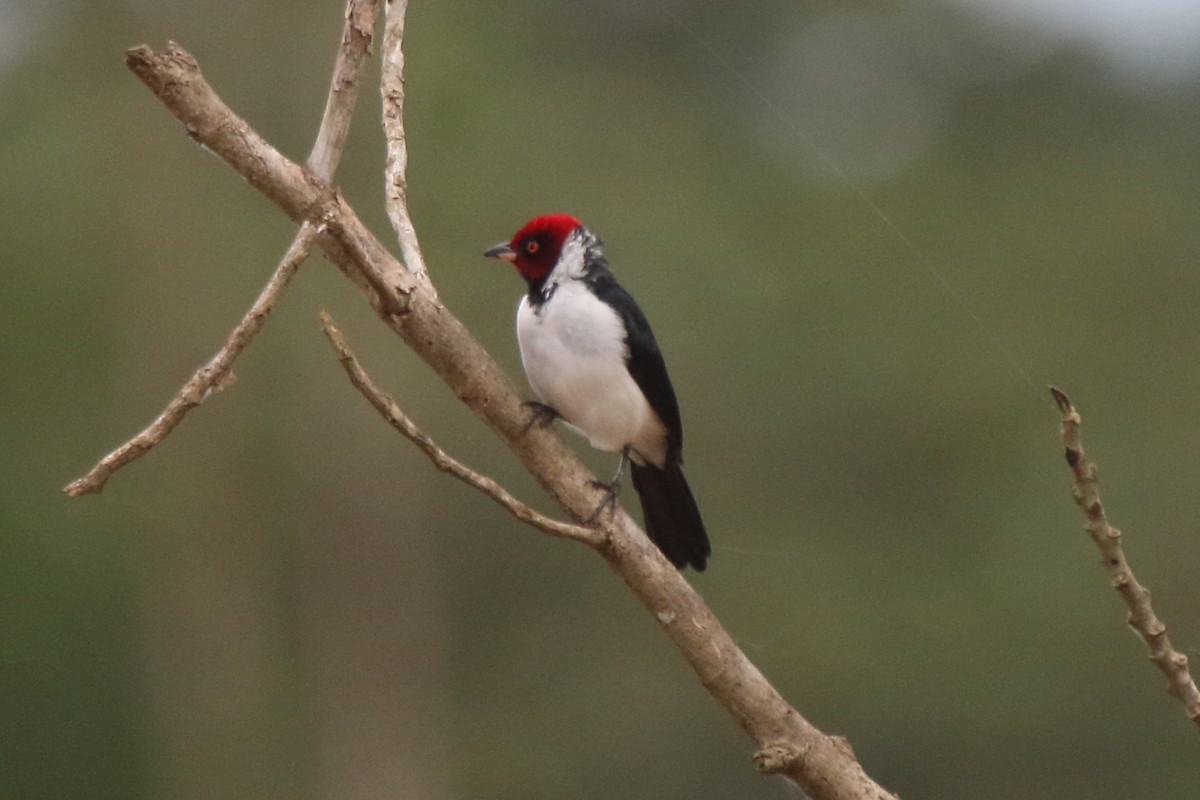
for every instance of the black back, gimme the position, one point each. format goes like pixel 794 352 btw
pixel 645 362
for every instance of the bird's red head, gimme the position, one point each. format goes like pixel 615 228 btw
pixel 534 250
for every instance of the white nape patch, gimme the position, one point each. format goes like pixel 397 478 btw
pixel 574 352
pixel 571 263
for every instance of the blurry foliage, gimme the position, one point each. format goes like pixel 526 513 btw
pixel 285 600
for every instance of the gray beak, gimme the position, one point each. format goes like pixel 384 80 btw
pixel 501 251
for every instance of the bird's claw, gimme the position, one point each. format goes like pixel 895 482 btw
pixel 540 414
pixel 611 490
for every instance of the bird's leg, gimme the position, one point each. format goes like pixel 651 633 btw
pixel 540 414
pixel 610 489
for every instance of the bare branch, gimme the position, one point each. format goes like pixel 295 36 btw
pixel 391 411
pixel 823 765
pixel 174 76
pixel 343 88
pixel 210 378
pixel 327 151
pixel 391 86
pixel 1141 617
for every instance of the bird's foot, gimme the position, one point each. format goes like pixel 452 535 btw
pixel 610 490
pixel 540 414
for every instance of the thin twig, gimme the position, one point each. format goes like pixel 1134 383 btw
pixel 1141 617
pixel 391 87
pixel 323 160
pixel 391 411
pixel 343 87
pixel 210 378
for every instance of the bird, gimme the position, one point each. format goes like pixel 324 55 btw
pixel 592 360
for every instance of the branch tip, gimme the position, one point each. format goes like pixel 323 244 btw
pixel 82 486
pixel 1063 402
pixel 139 52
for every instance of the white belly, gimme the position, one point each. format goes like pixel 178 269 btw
pixel 574 355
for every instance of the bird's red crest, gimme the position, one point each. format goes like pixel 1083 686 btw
pixel 538 244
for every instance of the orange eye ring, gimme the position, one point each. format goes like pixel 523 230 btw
pixel 532 246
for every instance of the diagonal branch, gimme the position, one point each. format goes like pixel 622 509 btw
pixel 823 765
pixel 1141 617
pixel 326 153
pixel 210 378
pixel 392 412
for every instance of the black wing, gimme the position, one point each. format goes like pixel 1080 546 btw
pixel 645 363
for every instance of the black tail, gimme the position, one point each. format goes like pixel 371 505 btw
pixel 672 518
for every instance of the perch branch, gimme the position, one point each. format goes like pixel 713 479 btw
pixel 823 765
pixel 391 411
pixel 215 374
pixel 1141 617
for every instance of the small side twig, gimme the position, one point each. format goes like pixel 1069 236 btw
pixel 1141 617
pixel 392 412
pixel 215 374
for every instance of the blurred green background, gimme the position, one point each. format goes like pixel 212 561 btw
pixel 286 600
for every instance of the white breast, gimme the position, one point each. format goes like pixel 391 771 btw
pixel 573 349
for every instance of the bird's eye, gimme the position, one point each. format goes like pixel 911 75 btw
pixel 532 246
